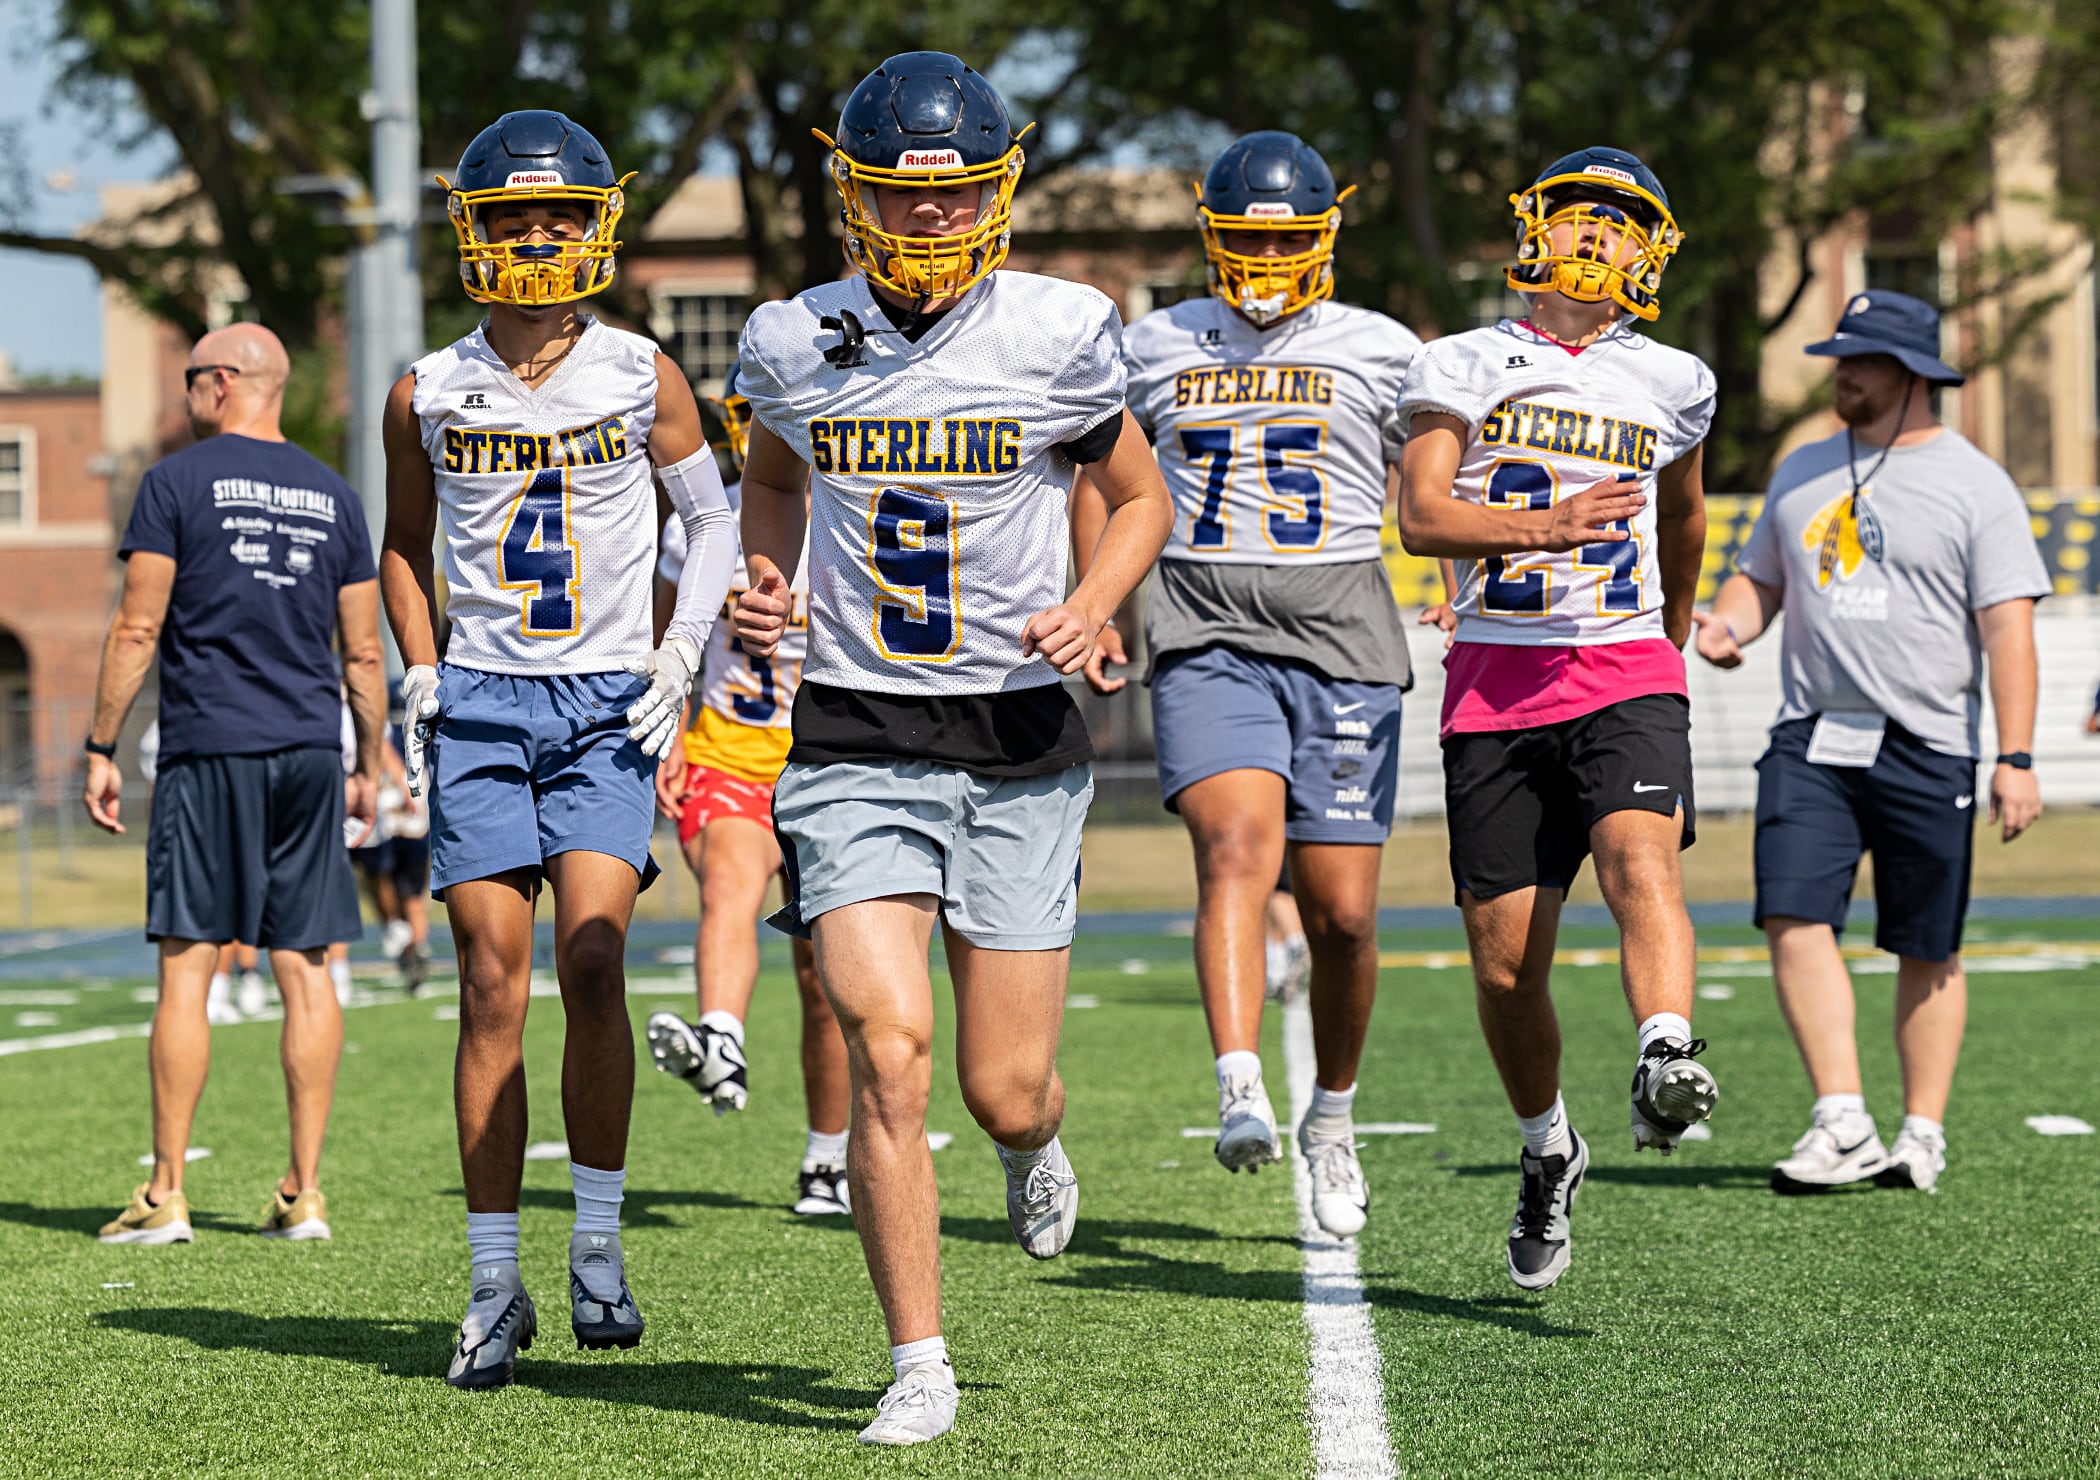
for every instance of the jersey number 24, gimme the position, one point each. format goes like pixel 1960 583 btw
pixel 1522 585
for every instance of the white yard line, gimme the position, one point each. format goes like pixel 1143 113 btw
pixel 1348 1395
pixel 73 1040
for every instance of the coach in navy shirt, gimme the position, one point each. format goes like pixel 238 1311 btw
pixel 245 557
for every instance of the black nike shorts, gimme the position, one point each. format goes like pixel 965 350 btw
pixel 1520 803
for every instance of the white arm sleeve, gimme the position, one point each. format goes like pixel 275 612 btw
pixel 695 486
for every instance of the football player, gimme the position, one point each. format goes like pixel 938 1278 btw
pixel 1277 654
pixel 718 788
pixel 940 771
pixel 1557 459
pixel 539 438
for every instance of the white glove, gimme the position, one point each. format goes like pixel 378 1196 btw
pixel 419 708
pixel 653 721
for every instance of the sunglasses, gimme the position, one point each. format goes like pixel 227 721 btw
pixel 191 372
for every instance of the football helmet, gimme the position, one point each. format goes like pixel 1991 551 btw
pixel 733 409
pixel 1601 185
pixel 1263 182
pixel 535 154
pixel 924 118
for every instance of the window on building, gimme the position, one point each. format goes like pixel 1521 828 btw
pixel 1905 269
pixel 14 474
pixel 703 333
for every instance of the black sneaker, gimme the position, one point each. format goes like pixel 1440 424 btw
pixel 823 1190
pixel 1538 1235
pixel 1671 1093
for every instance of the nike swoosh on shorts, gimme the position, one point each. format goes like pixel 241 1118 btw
pixel 1350 708
pixel 1642 786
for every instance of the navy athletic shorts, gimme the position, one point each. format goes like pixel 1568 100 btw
pixel 1335 742
pixel 249 848
pixel 1914 809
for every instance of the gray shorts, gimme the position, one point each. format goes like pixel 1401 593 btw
pixel 1001 854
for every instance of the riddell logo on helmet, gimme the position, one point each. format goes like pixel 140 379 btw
pixel 534 177
pixel 1610 173
pixel 1269 210
pixel 930 159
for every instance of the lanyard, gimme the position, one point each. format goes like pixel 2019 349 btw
pixel 1866 530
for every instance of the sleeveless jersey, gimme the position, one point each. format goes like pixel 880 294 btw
pixel 1275 443
pixel 1544 423
pixel 548 503
pixel 938 517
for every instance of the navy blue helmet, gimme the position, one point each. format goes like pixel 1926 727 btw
pixel 1269 211
pixel 1581 193
pixel 535 154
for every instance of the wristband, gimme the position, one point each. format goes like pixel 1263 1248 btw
pixel 2019 760
pixel 107 752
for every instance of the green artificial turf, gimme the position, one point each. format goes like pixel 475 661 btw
pixel 1706 1327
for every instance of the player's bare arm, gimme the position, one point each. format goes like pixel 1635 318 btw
pixel 676 434
pixel 1741 612
pixel 776 512
pixel 1140 516
pixel 407 574
pixel 128 651
pixel 1433 522
pixel 364 680
pixel 2007 630
pixel 1089 518
pixel 1680 539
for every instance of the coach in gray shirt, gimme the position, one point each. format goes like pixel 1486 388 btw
pixel 1903 558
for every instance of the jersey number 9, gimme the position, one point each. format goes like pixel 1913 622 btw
pixel 535 555
pixel 911 548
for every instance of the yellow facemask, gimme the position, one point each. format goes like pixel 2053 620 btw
pixel 1266 289
pixel 535 274
pixel 923 268
pixel 1628 271
pixel 734 412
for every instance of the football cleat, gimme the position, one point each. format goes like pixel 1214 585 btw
pixel 919 1406
pixel 1539 1236
pixel 1289 964
pixel 601 1307
pixel 301 1217
pixel 219 1010
pixel 1247 1138
pixel 1341 1199
pixel 415 967
pixel 823 1190
pixel 500 1322
pixel 708 1059
pixel 142 1222
pixel 1915 1160
pixel 1671 1093
pixel 1834 1153
pixel 1042 1202
pixel 254 995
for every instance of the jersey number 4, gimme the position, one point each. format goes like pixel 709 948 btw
pixel 1522 585
pixel 911 548
pixel 1294 518
pixel 535 555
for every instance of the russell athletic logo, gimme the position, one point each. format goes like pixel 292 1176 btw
pixel 930 159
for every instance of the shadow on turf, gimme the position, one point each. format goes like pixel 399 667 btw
pixel 638 1210
pixel 1651 1174
pixel 747 1392
pixel 90 1220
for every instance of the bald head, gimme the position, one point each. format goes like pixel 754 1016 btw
pixel 241 388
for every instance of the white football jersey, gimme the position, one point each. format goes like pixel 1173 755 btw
pixel 548 501
pixel 1544 424
pixel 736 685
pixel 1275 442
pixel 938 496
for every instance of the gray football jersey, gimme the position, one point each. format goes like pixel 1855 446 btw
pixel 938 497
pixel 1275 442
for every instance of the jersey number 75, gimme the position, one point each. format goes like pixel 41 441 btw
pixel 1294 517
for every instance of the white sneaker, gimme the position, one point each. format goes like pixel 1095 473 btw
pixel 1834 1153
pixel 1916 1161
pixel 1042 1202
pixel 919 1406
pixel 1247 1137
pixel 253 999
pixel 395 939
pixel 1341 1199
pixel 219 1010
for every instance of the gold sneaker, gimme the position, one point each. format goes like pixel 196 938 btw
pixel 143 1223
pixel 304 1216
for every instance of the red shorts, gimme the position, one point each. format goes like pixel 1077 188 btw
pixel 710 795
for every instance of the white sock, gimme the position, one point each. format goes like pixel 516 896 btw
pixel 919 1354
pixel 1832 1108
pixel 1918 1125
pixel 1329 1118
pixel 339 973
pixel 1547 1134
pixel 724 1022
pixel 221 990
pixel 598 1195
pixel 492 1238
pixel 826 1148
pixel 1025 1161
pixel 1665 1025
pixel 1241 1063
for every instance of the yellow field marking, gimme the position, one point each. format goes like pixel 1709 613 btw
pixel 1720 955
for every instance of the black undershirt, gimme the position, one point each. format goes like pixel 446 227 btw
pixel 1021 732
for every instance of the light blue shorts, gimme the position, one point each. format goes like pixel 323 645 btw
pixel 1001 854
pixel 526 766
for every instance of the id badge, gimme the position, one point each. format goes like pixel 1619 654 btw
pixel 1846 739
